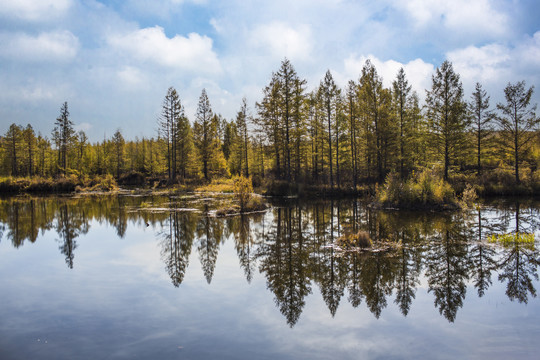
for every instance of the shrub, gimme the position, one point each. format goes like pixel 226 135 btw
pixel 468 197
pixel 243 190
pixel 421 190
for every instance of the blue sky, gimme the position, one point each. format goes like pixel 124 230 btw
pixel 112 61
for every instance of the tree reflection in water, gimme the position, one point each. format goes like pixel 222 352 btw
pixel 283 256
pixel 176 242
pixel 291 247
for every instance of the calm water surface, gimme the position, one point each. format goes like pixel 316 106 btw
pixel 139 277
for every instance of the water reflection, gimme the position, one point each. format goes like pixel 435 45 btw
pixel 291 247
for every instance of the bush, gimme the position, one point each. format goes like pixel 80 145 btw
pixel 243 190
pixel 468 197
pixel 421 190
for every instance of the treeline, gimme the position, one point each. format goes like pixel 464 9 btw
pixel 338 138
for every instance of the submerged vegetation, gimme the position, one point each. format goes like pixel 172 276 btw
pixel 327 141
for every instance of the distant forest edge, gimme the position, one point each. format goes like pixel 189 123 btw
pixel 329 138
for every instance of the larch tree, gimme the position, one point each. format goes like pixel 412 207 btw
pixel 63 134
pixel 518 121
pixel 330 99
pixel 29 137
pixel 171 112
pixel 206 137
pixel 299 124
pixel 351 100
pixel 446 111
pixel 375 103
pixel 82 143
pixel 269 123
pixel 401 92
pixel 481 120
pixel 12 143
pixel 287 77
pixel 118 142
pixel 183 144
pixel 242 137
pixel 43 148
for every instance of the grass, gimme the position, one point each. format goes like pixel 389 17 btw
pixel 217 185
pixel 512 238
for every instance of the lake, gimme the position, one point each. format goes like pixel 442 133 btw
pixel 161 277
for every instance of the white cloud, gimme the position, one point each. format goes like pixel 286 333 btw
pixel 151 44
pixel 31 93
pixel 462 15
pixel 417 71
pixel 34 9
pixel 165 9
pixel 130 76
pixel 282 40
pixel 48 46
pixel 84 126
pixel 484 64
pixel 494 65
pixel 528 52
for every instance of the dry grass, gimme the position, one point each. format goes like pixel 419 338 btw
pixel 217 186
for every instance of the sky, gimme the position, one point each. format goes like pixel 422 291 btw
pixel 113 61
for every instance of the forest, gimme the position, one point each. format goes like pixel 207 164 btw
pixel 329 138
